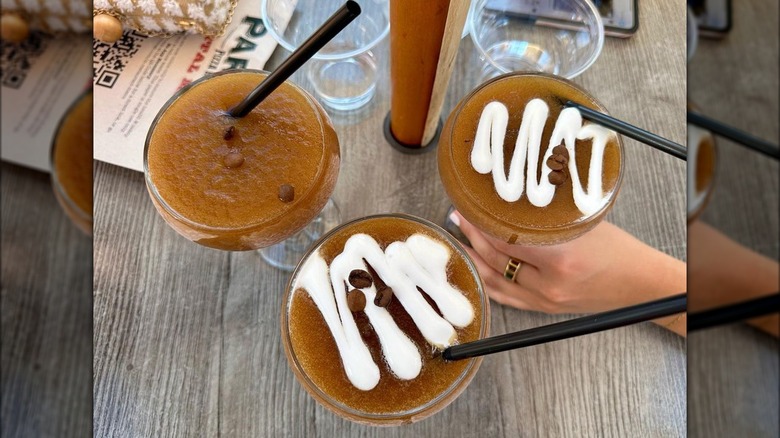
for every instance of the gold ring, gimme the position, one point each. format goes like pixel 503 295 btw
pixel 512 269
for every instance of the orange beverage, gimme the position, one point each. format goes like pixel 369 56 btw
pixel 369 310
pixel 523 168
pixel 240 183
pixel 414 56
pixel 701 168
pixel 71 161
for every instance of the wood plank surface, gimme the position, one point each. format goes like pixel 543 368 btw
pixel 734 371
pixel 46 302
pixel 187 338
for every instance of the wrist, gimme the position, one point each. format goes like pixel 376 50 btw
pixel 661 276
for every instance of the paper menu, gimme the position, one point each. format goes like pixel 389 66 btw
pixel 41 78
pixel 135 77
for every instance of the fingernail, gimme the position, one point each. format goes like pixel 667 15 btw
pixel 455 219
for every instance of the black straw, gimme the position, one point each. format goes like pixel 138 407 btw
pixel 569 329
pixel 734 313
pixel 335 24
pixel 734 134
pixel 638 134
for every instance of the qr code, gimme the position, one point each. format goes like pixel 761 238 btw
pixel 17 59
pixel 110 60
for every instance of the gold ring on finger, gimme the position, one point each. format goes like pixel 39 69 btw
pixel 512 269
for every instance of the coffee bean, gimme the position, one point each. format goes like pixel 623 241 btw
pixel 356 300
pixel 286 193
pixel 557 177
pixel 233 160
pixel 383 297
pixel 554 165
pixel 561 150
pixel 360 279
pixel 229 133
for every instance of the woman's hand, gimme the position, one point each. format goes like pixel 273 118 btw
pixel 604 269
pixel 723 273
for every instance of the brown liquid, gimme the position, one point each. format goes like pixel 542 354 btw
pixel 705 164
pixel 414 56
pixel 72 163
pixel 705 157
pixel 705 172
pixel 287 139
pixel 474 194
pixel 316 351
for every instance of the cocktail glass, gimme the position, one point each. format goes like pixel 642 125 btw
pixel 225 190
pixel 461 270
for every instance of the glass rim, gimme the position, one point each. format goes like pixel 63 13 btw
pixel 323 56
pixel 597 48
pixel 58 188
pixel 428 408
pixel 178 216
pixel 599 106
pixel 692 215
pixel 692 34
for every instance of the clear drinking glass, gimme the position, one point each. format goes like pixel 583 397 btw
pixel 344 72
pixel 440 400
pixel 564 39
pixel 692 34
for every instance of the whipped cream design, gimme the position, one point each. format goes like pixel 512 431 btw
pixel 487 155
pixel 695 137
pixel 404 266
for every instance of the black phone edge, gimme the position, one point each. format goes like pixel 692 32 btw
pixel 718 32
pixel 620 32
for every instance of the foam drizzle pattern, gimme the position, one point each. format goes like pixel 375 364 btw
pixel 487 155
pixel 420 261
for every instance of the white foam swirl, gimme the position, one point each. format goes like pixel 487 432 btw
pixel 404 266
pixel 487 155
pixel 360 368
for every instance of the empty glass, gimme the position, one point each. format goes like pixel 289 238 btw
pixel 563 38
pixel 692 34
pixel 344 72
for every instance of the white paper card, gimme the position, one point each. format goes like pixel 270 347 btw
pixel 135 77
pixel 41 78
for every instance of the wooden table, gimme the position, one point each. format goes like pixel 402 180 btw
pixel 46 302
pixel 187 339
pixel 734 371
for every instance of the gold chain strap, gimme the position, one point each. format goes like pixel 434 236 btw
pixel 184 24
